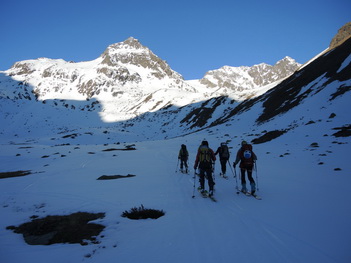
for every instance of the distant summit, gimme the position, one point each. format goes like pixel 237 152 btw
pixel 248 78
pixel 132 52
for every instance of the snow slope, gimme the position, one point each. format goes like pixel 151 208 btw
pixel 304 215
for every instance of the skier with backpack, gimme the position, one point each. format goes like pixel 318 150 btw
pixel 183 157
pixel 204 160
pixel 247 159
pixel 224 155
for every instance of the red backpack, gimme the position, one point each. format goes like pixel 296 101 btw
pixel 247 155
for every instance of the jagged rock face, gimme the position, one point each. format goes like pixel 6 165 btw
pixel 343 34
pixel 123 64
pixel 129 80
pixel 21 68
pixel 132 52
pixel 240 78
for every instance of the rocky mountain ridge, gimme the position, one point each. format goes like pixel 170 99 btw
pixel 121 64
pixel 343 34
pixel 249 78
pixel 132 69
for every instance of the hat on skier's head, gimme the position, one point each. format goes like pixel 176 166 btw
pixel 243 142
pixel 223 143
pixel 204 143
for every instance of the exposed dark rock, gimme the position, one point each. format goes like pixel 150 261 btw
pixel 109 177
pixel 268 136
pixel 119 149
pixel 344 131
pixel 14 174
pixel 314 145
pixel 343 34
pixel 74 228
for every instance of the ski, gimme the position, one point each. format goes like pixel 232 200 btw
pixel 212 198
pixel 223 176
pixel 253 195
pixel 245 193
pixel 256 196
pixel 249 194
pixel 205 194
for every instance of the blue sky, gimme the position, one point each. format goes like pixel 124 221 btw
pixel 192 36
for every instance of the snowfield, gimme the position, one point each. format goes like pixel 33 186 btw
pixel 304 215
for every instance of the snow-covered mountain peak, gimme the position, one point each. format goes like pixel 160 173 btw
pixel 129 43
pixel 288 64
pixel 128 79
pixel 132 53
pixel 248 78
pixel 287 59
pixel 119 52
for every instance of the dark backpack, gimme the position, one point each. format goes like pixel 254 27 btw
pixel 184 151
pixel 247 155
pixel 224 152
pixel 205 158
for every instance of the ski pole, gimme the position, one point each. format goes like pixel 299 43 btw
pixel 213 172
pixel 177 166
pixel 236 180
pixel 194 184
pixel 231 169
pixel 256 176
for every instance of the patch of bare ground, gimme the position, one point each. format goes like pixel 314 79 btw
pixel 344 131
pixel 73 228
pixel 268 136
pixel 111 177
pixel 14 174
